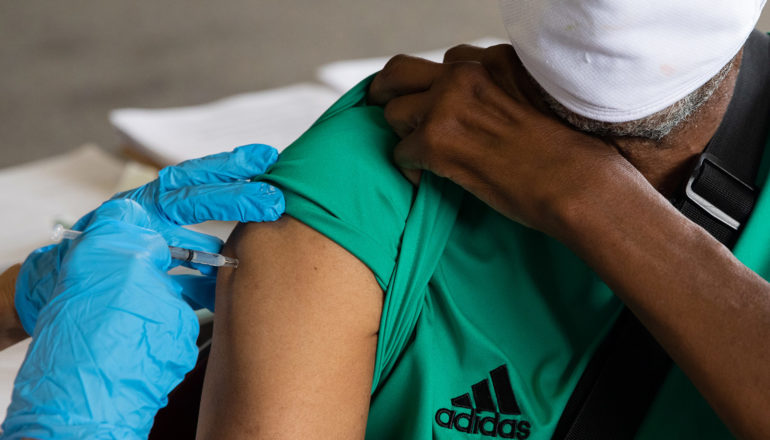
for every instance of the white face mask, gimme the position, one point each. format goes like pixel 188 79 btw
pixel 620 60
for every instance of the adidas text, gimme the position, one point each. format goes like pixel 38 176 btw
pixel 491 426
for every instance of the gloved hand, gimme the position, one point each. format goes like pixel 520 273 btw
pixel 210 188
pixel 114 338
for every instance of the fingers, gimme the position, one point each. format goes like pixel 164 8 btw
pixel 38 277
pixel 402 75
pixel 122 210
pixel 506 69
pixel 124 223
pixel 236 201
pixel 406 113
pixel 464 52
pixel 35 284
pixel 501 62
pixel 83 222
pixel 187 238
pixel 197 290
pixel 242 163
pixel 411 154
pixel 118 234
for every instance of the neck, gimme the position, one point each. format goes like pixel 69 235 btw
pixel 667 163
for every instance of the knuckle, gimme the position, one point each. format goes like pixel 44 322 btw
pixel 472 79
pixel 499 51
pixel 453 53
pixel 432 133
pixel 434 154
pixel 385 84
pixel 459 52
pixel 395 64
pixel 467 73
pixel 478 90
pixel 448 108
pixel 416 120
pixel 444 110
pixel 380 90
pixel 499 58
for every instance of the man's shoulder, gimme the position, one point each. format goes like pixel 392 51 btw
pixel 355 136
pixel 343 159
pixel 338 178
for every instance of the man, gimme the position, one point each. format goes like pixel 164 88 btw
pixel 485 325
pixel 505 311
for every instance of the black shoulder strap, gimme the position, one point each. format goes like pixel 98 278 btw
pixel 626 372
pixel 720 193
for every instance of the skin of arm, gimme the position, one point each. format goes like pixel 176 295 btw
pixel 709 311
pixel 11 330
pixel 479 122
pixel 295 338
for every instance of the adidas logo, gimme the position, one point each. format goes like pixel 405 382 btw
pixel 494 425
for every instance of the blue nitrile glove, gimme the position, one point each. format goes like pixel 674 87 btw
pixel 211 188
pixel 114 339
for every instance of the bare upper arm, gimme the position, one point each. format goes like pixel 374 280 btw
pixel 295 338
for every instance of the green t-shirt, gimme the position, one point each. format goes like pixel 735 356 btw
pixel 486 325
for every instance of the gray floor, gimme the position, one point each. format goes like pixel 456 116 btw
pixel 66 63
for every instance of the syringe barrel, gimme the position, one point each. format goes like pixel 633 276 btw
pixel 177 253
pixel 201 257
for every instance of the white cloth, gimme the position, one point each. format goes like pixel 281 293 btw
pixel 620 60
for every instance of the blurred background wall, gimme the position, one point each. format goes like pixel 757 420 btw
pixel 64 64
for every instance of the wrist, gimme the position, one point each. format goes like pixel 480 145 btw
pixel 599 200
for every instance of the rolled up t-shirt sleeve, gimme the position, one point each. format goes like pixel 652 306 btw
pixel 339 179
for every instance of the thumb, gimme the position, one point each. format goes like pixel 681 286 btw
pixel 238 201
pixel 122 210
pixel 242 163
pixel 413 176
pixel 410 159
pixel 116 229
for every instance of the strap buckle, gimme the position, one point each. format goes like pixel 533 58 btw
pixel 705 161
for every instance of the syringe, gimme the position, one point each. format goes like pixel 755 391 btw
pixel 177 253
